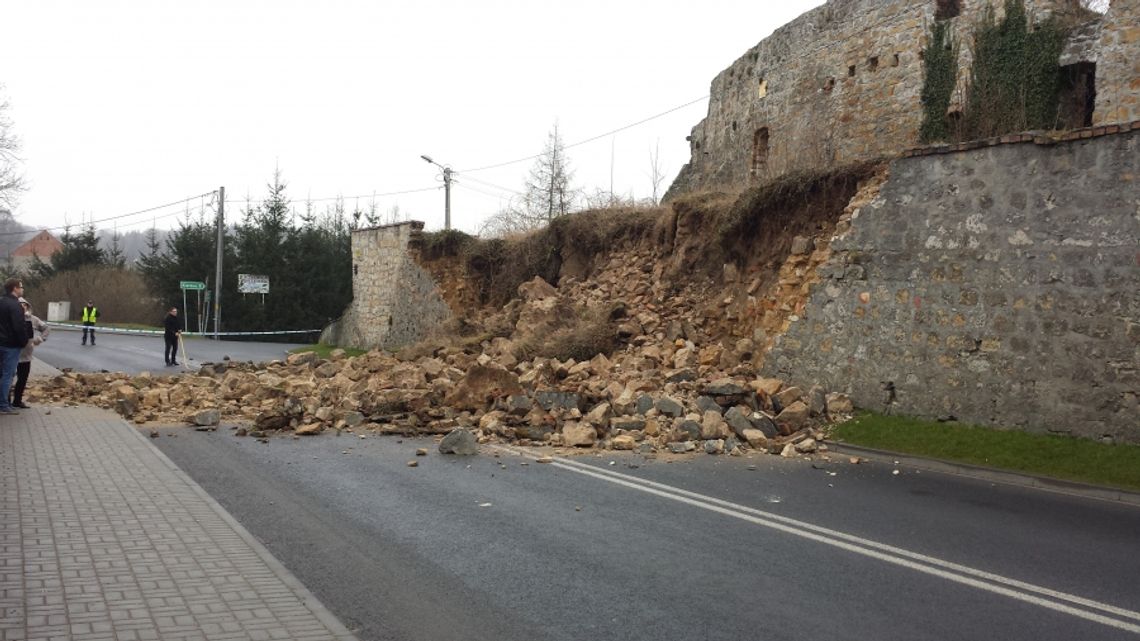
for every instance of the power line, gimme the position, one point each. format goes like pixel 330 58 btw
pixel 391 193
pixel 373 195
pixel 480 191
pixel 103 220
pixel 589 140
pixel 492 185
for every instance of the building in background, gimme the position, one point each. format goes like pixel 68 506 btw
pixel 43 245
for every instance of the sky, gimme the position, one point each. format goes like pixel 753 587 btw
pixel 129 106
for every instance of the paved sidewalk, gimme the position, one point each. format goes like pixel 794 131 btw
pixel 102 538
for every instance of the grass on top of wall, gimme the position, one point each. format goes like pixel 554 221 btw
pixel 1060 457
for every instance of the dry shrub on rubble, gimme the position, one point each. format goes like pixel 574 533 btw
pixel 498 266
pixel 583 336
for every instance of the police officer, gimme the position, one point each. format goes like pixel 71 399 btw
pixel 90 316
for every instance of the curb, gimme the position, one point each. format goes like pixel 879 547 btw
pixel 1071 488
pixel 310 601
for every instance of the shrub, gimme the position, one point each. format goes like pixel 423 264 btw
pixel 120 294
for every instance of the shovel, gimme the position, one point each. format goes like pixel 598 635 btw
pixel 185 356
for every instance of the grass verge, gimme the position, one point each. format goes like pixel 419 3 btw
pixel 324 351
pixel 1060 457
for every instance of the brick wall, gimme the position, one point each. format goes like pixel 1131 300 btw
pixel 999 283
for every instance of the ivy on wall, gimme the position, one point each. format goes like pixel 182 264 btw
pixel 940 59
pixel 1015 79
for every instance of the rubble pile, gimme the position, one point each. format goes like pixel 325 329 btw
pixel 677 370
pixel 670 388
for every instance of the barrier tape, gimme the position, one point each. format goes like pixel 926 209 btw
pixel 159 332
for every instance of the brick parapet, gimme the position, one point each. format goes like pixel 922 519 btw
pixel 1036 137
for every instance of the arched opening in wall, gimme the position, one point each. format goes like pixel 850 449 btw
pixel 760 153
pixel 954 122
pixel 947 9
pixel 1077 95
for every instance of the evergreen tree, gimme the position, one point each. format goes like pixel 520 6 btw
pixel 114 255
pixel 78 250
pixel 262 249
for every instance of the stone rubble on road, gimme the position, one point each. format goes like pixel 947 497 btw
pixel 684 378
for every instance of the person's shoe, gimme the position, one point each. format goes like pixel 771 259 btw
pixel 22 405
pixel 7 410
pixel 176 363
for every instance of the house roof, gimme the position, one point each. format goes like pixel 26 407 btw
pixel 42 244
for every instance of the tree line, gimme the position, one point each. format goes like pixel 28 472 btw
pixel 305 255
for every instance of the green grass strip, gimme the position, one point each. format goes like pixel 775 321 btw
pixel 1060 457
pixel 324 351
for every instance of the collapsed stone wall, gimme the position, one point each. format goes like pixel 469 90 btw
pixel 998 285
pixel 395 301
pixel 842 84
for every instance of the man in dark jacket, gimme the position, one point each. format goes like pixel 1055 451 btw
pixel 173 326
pixel 13 337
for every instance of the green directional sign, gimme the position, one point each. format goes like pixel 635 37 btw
pixel 192 284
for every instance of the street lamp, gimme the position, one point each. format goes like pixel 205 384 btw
pixel 446 191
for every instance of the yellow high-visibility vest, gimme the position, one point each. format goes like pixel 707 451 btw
pixel 89 314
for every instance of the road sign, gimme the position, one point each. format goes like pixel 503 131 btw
pixel 192 284
pixel 253 284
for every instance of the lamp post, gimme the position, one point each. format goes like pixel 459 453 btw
pixel 446 191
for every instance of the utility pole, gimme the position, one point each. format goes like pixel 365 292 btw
pixel 447 197
pixel 218 275
pixel 446 191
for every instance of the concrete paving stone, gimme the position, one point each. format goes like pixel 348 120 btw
pixel 103 538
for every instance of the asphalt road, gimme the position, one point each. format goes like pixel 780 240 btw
pixel 705 548
pixel 134 353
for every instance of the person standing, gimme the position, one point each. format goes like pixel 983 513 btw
pixel 13 337
pixel 173 326
pixel 90 316
pixel 38 331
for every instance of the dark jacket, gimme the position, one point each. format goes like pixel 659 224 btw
pixel 173 325
pixel 12 330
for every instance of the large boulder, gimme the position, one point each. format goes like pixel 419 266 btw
pixel 459 442
pixel 794 417
pixel 575 434
pixel 481 386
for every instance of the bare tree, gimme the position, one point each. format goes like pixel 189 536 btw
pixel 656 173
pixel 11 182
pixel 548 191
pixel 548 194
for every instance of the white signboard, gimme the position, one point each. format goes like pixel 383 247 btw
pixel 253 284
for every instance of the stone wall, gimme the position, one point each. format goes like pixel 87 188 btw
pixel 842 83
pixel 1118 64
pixel 998 285
pixel 395 301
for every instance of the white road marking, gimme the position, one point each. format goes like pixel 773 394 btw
pixel 965 575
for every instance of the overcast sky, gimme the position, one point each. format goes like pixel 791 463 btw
pixel 123 106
